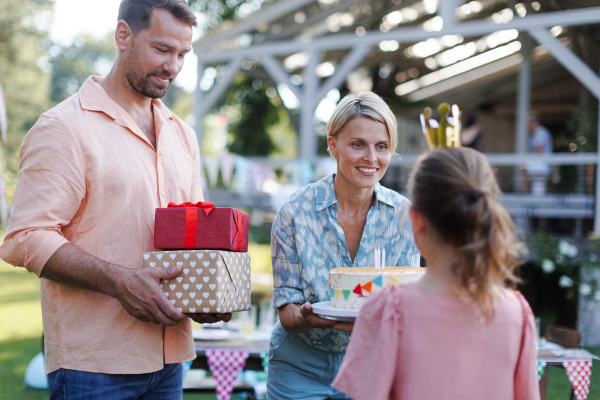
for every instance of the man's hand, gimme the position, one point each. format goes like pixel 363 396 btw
pixel 206 318
pixel 138 290
pixel 140 294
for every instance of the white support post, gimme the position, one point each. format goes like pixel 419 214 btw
pixel 308 105
pixel 219 88
pixel 279 74
pixel 523 94
pixel 523 105
pixel 446 10
pixel 580 70
pixel 198 101
pixel 597 202
pixel 351 61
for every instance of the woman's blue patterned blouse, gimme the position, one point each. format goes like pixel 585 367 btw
pixel 306 242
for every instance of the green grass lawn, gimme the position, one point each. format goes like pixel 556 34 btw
pixel 21 332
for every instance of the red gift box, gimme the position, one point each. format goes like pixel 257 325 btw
pixel 200 226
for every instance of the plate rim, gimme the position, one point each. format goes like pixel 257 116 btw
pixel 324 308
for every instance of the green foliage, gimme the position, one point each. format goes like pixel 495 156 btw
pixel 23 43
pixel 73 64
pixel 583 128
pixel 256 113
pixel 567 259
pixel 218 11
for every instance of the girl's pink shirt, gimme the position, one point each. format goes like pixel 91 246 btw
pixel 411 345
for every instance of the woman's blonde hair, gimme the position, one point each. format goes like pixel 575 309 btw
pixel 455 189
pixel 363 105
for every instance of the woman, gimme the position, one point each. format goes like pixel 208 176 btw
pixel 335 222
pixel 436 338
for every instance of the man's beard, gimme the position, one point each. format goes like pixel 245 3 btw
pixel 148 88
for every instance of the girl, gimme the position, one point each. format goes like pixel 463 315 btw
pixel 458 333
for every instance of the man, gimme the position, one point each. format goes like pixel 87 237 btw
pixel 93 169
pixel 540 142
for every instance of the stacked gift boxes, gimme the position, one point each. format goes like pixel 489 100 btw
pixel 211 244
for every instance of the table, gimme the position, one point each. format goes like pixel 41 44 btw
pixel 253 347
pixel 557 355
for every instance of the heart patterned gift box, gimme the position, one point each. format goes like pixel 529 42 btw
pixel 212 281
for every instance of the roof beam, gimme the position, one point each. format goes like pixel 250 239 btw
pixel 266 14
pixel 585 16
pixel 351 61
pixel 580 70
pixel 279 74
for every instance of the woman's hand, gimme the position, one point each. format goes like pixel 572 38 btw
pixel 298 318
pixel 344 326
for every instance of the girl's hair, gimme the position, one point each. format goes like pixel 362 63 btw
pixel 455 189
pixel 363 105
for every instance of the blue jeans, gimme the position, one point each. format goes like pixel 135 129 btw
pixel 67 384
pixel 298 371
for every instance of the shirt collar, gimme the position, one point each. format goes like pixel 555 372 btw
pixel 93 98
pixel 325 196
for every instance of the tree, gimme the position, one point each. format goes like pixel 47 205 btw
pixel 23 43
pixel 256 115
pixel 73 64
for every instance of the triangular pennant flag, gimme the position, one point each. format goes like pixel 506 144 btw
pixel 346 293
pixel 331 292
pixel 579 373
pixel 541 365
pixel 357 290
pixel 225 365
pixel 211 166
pixel 378 281
pixel 368 287
pixel 264 358
pixel 337 293
pixel 393 279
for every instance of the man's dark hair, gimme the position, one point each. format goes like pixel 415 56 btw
pixel 138 13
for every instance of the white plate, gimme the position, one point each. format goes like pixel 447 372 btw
pixel 324 310
pixel 212 334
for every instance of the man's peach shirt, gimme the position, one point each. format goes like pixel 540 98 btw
pixel 89 176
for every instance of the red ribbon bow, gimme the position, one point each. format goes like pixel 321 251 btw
pixel 207 206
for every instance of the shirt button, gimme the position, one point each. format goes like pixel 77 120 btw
pixel 164 193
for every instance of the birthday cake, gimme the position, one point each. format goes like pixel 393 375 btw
pixel 349 287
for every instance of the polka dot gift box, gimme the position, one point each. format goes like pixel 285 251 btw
pixel 212 281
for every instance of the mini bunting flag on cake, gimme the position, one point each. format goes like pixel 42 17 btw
pixel 368 286
pixel 378 281
pixel 393 279
pixel 358 290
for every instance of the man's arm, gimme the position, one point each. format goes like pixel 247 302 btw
pixel 137 290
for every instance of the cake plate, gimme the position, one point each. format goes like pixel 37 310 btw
pixel 324 310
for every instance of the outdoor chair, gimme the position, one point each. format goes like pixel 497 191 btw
pixel 566 337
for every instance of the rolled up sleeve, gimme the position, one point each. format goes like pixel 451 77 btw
pixel 50 189
pixel 286 265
